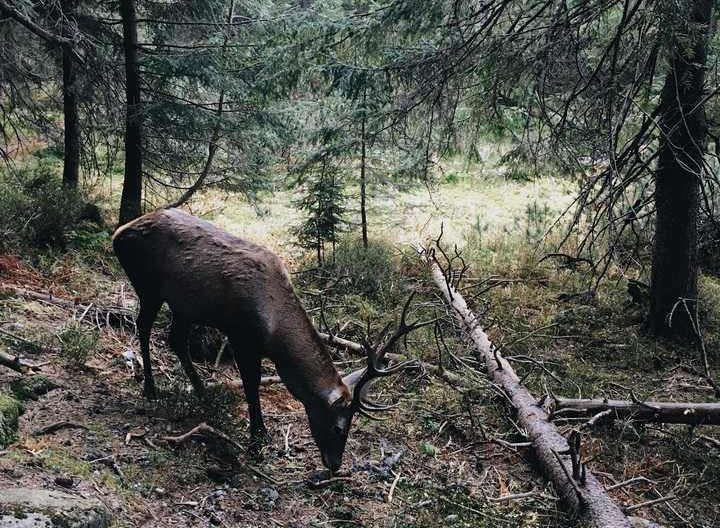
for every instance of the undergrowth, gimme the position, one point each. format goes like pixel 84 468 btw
pixel 77 343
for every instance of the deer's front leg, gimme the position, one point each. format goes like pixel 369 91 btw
pixel 249 365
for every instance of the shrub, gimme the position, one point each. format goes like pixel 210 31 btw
pixel 36 209
pixel 10 410
pixel 77 343
pixel 32 387
pixel 370 271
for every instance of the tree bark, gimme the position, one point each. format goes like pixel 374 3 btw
pixel 649 411
pixel 363 177
pixel 71 162
pixel 580 496
pixel 673 287
pixel 131 199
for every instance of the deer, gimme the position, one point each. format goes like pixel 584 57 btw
pixel 209 277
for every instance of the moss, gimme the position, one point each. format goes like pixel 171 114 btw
pixel 32 387
pixel 10 410
pixel 64 462
pixel 78 343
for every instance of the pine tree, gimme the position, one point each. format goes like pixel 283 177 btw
pixel 323 207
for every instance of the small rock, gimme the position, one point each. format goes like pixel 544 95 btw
pixel 270 496
pixel 64 481
pixel 38 507
pixel 451 518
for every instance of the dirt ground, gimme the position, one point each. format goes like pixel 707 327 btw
pixel 420 467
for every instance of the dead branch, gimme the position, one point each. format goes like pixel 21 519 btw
pixel 584 496
pixel 57 427
pixel 518 496
pixel 356 348
pixel 108 315
pixel 205 428
pixel 650 411
pixel 648 503
pixel 630 481
pixel 324 483
pixel 16 364
pixel 713 441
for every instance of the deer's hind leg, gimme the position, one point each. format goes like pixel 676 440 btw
pixel 179 331
pixel 149 308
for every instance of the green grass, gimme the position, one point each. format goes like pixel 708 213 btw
pixel 481 196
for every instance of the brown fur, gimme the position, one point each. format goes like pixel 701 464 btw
pixel 212 278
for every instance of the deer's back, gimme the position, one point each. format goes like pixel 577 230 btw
pixel 203 273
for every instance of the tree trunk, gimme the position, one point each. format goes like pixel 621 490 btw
pixel 130 202
pixel 71 115
pixel 673 288
pixel 363 182
pixel 71 163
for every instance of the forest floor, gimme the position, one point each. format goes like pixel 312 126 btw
pixel 441 459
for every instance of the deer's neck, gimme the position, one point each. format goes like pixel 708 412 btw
pixel 302 360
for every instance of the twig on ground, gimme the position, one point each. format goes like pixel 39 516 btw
pixel 526 495
pixel 709 439
pixel 57 427
pixel 392 487
pixel 629 482
pixel 652 502
pixel 205 428
pixel 511 445
pixel 318 484
pixel 599 417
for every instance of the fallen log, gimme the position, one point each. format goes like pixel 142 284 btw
pixel 16 364
pixel 645 411
pixel 578 489
pixel 119 315
pixel 338 342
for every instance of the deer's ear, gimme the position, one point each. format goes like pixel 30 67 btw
pixel 338 397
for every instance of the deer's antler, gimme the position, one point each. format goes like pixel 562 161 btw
pixel 359 381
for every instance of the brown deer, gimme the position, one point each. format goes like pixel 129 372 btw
pixel 211 278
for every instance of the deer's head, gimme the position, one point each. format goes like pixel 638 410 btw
pixel 330 422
